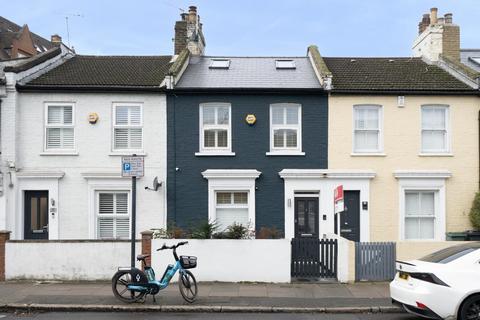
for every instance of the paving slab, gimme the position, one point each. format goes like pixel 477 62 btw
pixel 311 296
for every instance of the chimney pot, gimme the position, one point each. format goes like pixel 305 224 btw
pixel 192 9
pixel 448 18
pixel 55 39
pixel 433 15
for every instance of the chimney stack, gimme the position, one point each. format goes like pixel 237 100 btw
pixel 437 37
pixel 433 15
pixel 424 23
pixel 189 34
pixel 56 39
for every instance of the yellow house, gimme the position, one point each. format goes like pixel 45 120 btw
pixel 412 124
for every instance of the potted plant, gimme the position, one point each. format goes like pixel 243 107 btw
pixel 474 235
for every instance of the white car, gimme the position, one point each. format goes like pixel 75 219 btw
pixel 442 285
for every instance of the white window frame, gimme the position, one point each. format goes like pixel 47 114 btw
pixel 214 151
pixel 379 150
pixel 53 126
pixel 115 126
pixel 423 181
pixel 231 180
pixel 97 210
pixel 286 150
pixel 447 149
pixel 233 205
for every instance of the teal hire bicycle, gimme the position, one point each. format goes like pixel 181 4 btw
pixel 133 285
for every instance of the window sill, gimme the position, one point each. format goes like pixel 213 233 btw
pixel 284 153
pixel 214 154
pixel 373 154
pixel 433 154
pixel 59 153
pixel 127 153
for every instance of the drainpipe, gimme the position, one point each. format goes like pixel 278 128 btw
pixel 479 149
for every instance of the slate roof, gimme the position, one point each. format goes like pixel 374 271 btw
pixel 249 72
pixel 466 56
pixel 390 74
pixel 27 63
pixel 9 30
pixel 105 72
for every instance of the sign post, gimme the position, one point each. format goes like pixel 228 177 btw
pixel 133 167
pixel 339 206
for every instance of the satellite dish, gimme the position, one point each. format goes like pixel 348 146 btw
pixel 155 185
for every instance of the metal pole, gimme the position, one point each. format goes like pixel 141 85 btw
pixel 134 207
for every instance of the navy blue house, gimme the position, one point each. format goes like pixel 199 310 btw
pixel 233 124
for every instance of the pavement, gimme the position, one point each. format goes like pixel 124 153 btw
pixel 212 297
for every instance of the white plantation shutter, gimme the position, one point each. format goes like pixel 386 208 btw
pixel 215 127
pixel 128 131
pixel 285 127
pixel 113 215
pixel 60 132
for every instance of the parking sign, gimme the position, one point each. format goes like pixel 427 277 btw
pixel 132 167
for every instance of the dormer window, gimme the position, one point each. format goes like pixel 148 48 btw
pixel 285 64
pixel 219 64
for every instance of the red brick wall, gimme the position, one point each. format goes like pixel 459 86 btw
pixel 4 236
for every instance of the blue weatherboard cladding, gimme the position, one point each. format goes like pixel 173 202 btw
pixel 187 190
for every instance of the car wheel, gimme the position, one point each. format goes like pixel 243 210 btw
pixel 470 308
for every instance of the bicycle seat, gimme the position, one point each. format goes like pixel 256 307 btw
pixel 141 257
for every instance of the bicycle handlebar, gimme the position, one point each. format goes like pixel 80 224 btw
pixel 175 246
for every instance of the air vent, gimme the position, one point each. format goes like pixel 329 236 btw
pixel 285 64
pixel 219 64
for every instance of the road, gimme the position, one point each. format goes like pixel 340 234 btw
pixel 199 316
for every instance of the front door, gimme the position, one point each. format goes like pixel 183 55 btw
pixel 306 218
pixel 350 218
pixel 36 215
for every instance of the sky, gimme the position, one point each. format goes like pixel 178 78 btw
pixel 243 27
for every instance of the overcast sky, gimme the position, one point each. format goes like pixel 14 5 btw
pixel 243 27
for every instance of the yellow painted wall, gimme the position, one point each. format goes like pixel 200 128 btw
pixel 402 142
pixel 410 250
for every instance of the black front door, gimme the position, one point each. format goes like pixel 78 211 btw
pixel 36 215
pixel 306 218
pixel 350 218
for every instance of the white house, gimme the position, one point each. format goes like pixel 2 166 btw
pixel 66 121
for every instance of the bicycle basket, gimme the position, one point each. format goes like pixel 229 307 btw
pixel 188 262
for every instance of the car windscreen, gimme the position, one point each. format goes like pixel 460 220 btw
pixel 450 254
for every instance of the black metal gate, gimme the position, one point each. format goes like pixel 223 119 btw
pixel 314 258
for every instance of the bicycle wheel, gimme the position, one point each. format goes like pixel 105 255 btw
pixel 188 286
pixel 119 287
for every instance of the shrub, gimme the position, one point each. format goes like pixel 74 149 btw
pixel 475 212
pixel 171 232
pixel 234 231
pixel 269 233
pixel 205 230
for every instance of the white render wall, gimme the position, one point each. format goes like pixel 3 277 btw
pixel 95 166
pixel 230 260
pixel 54 260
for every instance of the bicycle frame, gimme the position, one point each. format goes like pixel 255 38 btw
pixel 160 284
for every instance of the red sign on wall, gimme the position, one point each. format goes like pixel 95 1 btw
pixel 338 199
